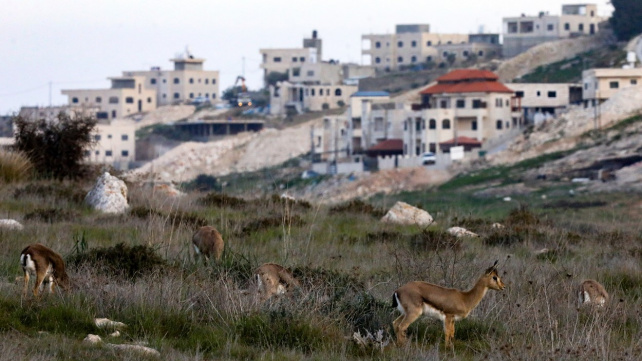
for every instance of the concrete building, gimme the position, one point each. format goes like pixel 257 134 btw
pixel 295 98
pixel 545 99
pixel 409 45
pixel 598 85
pixel 127 95
pixel 51 112
pixel 282 60
pixel 187 81
pixel 523 32
pixel 114 144
pixel 466 103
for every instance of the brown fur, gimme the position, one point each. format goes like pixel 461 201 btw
pixel 42 258
pixel 270 276
pixel 597 295
pixel 209 242
pixel 452 303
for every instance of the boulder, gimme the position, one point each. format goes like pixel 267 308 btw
pixel 109 195
pixel 11 224
pixel 107 323
pixel 461 232
pixel 93 339
pixel 404 213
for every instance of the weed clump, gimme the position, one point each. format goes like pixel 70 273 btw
pixel 504 237
pixel 14 166
pixel 120 260
pixel 434 240
pixel 51 215
pixel 56 190
pixel 222 200
pixel 358 206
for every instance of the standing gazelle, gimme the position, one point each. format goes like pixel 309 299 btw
pixel 447 304
pixel 273 279
pixel 208 242
pixel 46 265
pixel 593 293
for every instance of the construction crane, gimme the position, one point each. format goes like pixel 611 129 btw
pixel 243 97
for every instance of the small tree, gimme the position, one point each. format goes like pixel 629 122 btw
pixel 626 18
pixel 56 147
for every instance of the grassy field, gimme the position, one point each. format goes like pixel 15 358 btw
pixel 137 268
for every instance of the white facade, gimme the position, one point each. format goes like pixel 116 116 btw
pixel 114 144
pixel 598 85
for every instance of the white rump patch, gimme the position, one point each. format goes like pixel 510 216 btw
pixel 399 307
pixel 197 250
pixel 27 263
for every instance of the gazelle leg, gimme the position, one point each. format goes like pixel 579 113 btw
pixel 26 286
pixel 52 285
pixel 40 277
pixel 449 329
pixel 408 319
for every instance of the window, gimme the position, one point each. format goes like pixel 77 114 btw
pixel 580 27
pixel 519 93
pixel 512 27
pixel 432 124
pixel 400 59
pixel 97 137
pixel 400 44
pixel 414 43
pixel 507 103
pixel 129 100
pixel 423 124
pixel 113 100
pixel 413 59
pixel 213 95
pixel 586 85
pixel 498 102
pixel 164 95
pixel 310 72
pixel 567 26
pixel 177 96
pixel 550 27
pixel 191 80
pixel 108 136
pixel 296 71
pixel 302 59
pixel 552 94
pixel 418 124
pixel 164 81
pixel 213 81
pixel 124 153
pixel 473 125
pixel 207 95
pixel 337 92
pixel 176 81
pixel 539 93
pixel 74 100
pixel 445 124
pixel 428 59
pixel 149 99
pixel 478 104
pixel 443 104
pixel 152 80
pixel 634 81
pixel 102 115
pixel 465 53
pixel 378 44
pixel 480 53
pixel 277 59
pixel 429 43
pixel 294 59
pixel 377 60
pixel 108 153
pixel 461 103
pixel 614 85
pixel 97 152
pixel 207 81
pixel 312 92
pixel 191 95
pixel 113 114
pixel 87 153
pixel 445 54
pixel 499 124
pixel 99 100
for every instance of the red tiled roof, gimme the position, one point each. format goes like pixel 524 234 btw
pixel 388 144
pixel 462 141
pixel 467 74
pixel 468 87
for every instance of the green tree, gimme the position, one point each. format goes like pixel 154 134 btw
pixel 626 19
pixel 56 148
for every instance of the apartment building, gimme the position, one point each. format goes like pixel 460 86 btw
pixel 114 144
pixel 188 80
pixel 51 112
pixel 545 100
pixel 479 46
pixel 292 98
pixel 598 85
pixel 127 95
pixel 410 45
pixel 283 60
pixel 466 105
pixel 523 32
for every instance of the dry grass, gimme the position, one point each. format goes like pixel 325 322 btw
pixel 14 166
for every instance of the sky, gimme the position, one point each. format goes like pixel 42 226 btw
pixel 47 46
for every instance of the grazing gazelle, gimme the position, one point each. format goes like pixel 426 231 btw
pixel 273 279
pixel 46 265
pixel 208 242
pixel 447 304
pixel 593 293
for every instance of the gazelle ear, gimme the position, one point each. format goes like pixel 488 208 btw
pixel 492 268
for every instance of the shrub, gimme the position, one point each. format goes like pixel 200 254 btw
pixel 358 206
pixel 51 215
pixel 222 200
pixel 14 166
pixel 264 223
pixel 203 183
pixel 58 191
pixel 434 240
pixel 522 216
pixel 120 260
pixel 56 148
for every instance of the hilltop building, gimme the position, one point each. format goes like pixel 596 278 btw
pixel 282 60
pixel 523 32
pixel 601 84
pixel 540 101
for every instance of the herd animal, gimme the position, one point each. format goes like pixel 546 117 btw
pixel 413 299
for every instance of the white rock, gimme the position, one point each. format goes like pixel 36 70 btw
pixel 115 334
pixel 93 339
pixel 107 323
pixel 404 213
pixel 461 232
pixel 11 224
pixel 109 195
pixel 497 226
pixel 137 348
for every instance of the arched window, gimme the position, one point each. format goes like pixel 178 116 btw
pixel 445 124
pixel 337 92
pixel 499 124
pixel 432 124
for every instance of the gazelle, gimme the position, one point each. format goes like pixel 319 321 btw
pixel 46 265
pixel 208 242
pixel 592 292
pixel 273 279
pixel 447 304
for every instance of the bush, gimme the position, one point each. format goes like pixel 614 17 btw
pixel 222 200
pixel 358 206
pixel 120 260
pixel 203 183
pixel 435 240
pixel 57 191
pixel 14 166
pixel 56 148
pixel 51 215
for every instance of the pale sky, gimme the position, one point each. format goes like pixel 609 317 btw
pixel 78 44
